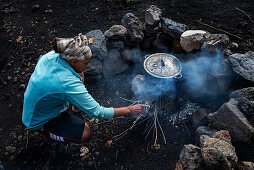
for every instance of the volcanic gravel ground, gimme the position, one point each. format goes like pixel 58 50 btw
pixel 25 35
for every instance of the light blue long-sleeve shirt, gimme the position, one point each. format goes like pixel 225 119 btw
pixel 53 85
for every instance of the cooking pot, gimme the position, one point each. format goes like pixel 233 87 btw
pixel 163 65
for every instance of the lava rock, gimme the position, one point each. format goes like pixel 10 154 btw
pixel 114 64
pixel 218 154
pixel 152 15
pixel 222 135
pixel 116 32
pixel 245 97
pixel 132 55
pixel 230 118
pixel 98 47
pixel 243 64
pixel 190 157
pixel 172 28
pixel 95 67
pixel 244 165
pixel 134 27
pixel 204 130
pixel 192 39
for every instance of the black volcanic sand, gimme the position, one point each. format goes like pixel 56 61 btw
pixel 38 27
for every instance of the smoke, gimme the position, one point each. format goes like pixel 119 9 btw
pixel 198 73
pixel 197 78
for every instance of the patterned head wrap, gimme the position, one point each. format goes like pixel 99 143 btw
pixel 70 48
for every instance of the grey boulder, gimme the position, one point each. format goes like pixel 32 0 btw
pixel 152 15
pixel 172 28
pixel 116 32
pixel 243 64
pixel 134 27
pixel 230 118
pixel 98 47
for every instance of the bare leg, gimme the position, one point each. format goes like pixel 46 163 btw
pixel 86 134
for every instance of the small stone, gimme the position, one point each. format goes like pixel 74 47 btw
pixel 13 135
pixel 97 153
pixel 96 121
pixel 50 11
pixel 84 149
pixel 22 86
pixel 9 78
pixel 156 146
pixel 109 143
pixel 20 137
pixel 9 65
pixel 15 79
pixel 92 120
pixel 35 7
pixel 12 10
pixel 10 149
pixel 234 45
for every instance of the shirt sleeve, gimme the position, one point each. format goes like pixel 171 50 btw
pixel 77 94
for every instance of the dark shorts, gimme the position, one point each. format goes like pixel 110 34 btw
pixel 65 128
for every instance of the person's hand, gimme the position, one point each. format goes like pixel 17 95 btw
pixel 138 109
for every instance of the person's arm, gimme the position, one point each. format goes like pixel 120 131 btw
pixel 137 109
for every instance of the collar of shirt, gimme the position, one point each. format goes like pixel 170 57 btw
pixel 65 64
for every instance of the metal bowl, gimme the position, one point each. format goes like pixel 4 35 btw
pixel 163 65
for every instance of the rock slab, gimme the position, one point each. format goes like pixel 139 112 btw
pixel 230 118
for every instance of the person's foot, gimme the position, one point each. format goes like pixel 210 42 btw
pixel 75 109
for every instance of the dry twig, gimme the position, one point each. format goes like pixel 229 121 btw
pixel 218 29
pixel 245 14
